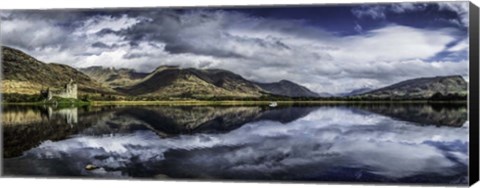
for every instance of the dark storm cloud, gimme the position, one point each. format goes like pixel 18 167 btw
pixel 106 31
pixel 100 45
pixel 193 32
pixel 136 55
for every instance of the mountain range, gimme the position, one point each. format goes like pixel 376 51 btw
pixel 23 74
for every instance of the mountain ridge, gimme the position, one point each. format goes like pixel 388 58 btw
pixel 424 87
pixel 203 83
pixel 23 74
pixel 113 77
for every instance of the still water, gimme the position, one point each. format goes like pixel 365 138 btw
pixel 395 143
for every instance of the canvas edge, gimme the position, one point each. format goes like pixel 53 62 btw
pixel 473 109
pixel 473 94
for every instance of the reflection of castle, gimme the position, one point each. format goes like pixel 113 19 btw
pixel 24 116
pixel 69 91
pixel 69 114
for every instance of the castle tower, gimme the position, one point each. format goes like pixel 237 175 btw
pixel 69 91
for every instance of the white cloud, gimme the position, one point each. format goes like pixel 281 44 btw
pixel 97 23
pixel 394 43
pixel 358 28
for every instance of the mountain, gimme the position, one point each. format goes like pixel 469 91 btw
pixel 287 88
pixel 113 77
pixel 325 94
pixel 24 74
pixel 358 91
pixel 172 81
pixel 422 88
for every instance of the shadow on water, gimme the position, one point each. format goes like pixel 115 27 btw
pixel 156 139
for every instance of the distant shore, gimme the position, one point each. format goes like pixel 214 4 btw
pixel 233 102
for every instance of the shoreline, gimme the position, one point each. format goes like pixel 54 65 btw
pixel 231 103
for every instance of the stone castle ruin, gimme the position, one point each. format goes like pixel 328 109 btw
pixel 68 91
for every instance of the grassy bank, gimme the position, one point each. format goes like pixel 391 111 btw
pixel 59 102
pixel 251 103
pixel 222 103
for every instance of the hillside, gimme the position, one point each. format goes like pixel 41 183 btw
pixel 113 77
pixel 170 81
pixel 23 74
pixel 422 88
pixel 287 88
pixel 354 92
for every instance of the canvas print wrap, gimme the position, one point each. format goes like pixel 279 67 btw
pixel 312 93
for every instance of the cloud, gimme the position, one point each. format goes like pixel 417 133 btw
pixel 461 9
pixel 381 11
pixel 462 45
pixel 262 49
pixel 407 7
pixel 358 28
pixel 99 23
pixel 374 12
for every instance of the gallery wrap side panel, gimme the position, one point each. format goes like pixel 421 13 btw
pixel 474 95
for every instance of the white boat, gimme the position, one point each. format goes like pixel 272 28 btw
pixel 273 104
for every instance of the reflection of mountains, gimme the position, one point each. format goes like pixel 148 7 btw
pixel 167 121
pixel 446 114
pixel 27 127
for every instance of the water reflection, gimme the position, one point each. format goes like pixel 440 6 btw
pixel 374 143
pixel 447 114
pixel 20 115
pixel 25 127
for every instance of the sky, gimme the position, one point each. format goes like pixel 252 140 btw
pixel 327 48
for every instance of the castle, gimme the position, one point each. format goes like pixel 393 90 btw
pixel 69 91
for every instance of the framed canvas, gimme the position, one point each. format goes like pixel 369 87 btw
pixel 372 93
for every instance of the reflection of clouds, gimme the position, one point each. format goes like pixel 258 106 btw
pixel 329 138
